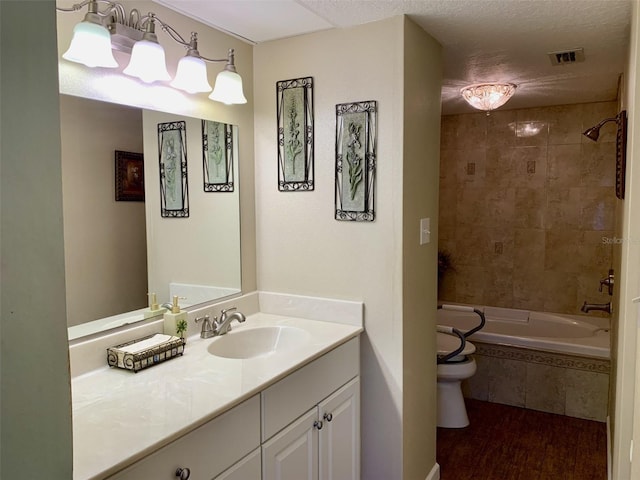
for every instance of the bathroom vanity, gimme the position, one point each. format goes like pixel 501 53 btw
pixel 289 414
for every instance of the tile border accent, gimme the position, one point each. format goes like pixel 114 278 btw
pixel 544 358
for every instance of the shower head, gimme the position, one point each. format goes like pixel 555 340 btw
pixel 594 132
pixel 621 147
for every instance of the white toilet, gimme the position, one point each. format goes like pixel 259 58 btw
pixel 452 412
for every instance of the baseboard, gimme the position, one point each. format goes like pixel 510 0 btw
pixel 434 474
pixel 609 452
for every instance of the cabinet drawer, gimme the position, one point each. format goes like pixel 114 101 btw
pixel 292 396
pixel 249 468
pixel 206 451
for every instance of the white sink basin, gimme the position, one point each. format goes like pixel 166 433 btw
pixel 254 342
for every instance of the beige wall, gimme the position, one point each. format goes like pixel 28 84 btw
pixel 35 396
pixel 105 240
pixel 422 84
pixel 204 248
pixel 524 217
pixel 627 398
pixel 112 86
pixel 303 250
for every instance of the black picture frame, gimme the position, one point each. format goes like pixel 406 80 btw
pixel 172 155
pixel 217 156
pixel 355 171
pixel 294 100
pixel 129 176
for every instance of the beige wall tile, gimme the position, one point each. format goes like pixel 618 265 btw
pixel 530 207
pixel 565 124
pixel 500 169
pixel 478 386
pixel 596 207
pixel 598 166
pixel 529 167
pixel 561 246
pixel 447 217
pixel 545 389
pixel 471 131
pixel 448 171
pixel 448 128
pixel 507 382
pixel 564 166
pixel 587 395
pixel 470 206
pixel 594 254
pixel 470 282
pixel 501 128
pixel 563 209
pixel 470 167
pixel 560 291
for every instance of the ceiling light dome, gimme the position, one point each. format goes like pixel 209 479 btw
pixel 488 96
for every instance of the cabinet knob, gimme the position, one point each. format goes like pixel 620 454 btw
pixel 328 416
pixel 183 473
pixel 318 424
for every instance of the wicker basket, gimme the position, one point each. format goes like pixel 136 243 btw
pixel 120 358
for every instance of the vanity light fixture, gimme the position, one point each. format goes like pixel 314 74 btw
pixel 101 31
pixel 488 96
pixel 593 133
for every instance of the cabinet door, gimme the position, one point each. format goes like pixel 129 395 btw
pixel 340 434
pixel 292 454
pixel 248 468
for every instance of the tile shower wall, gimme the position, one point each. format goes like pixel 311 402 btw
pixel 527 207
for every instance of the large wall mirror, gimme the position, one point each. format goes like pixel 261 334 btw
pixel 118 251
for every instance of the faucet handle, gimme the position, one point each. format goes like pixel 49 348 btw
pixel 207 327
pixel 608 282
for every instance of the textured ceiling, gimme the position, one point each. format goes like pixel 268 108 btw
pixel 483 40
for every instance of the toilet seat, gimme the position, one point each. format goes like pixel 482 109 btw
pixel 449 343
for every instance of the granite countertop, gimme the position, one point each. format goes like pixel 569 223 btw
pixel 120 416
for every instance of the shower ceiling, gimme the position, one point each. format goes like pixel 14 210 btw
pixel 482 40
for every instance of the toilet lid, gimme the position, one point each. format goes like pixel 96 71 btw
pixel 449 343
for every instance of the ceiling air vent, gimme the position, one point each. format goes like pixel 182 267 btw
pixel 567 57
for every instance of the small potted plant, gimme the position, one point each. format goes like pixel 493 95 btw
pixel 181 327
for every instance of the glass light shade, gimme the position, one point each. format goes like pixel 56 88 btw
pixel 191 75
pixel 91 46
pixel 488 96
pixel 147 62
pixel 228 88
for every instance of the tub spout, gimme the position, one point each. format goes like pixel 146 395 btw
pixel 587 307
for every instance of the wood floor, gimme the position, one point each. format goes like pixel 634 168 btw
pixel 511 443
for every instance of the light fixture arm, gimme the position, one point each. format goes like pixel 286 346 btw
pixel 192 44
pixel 113 8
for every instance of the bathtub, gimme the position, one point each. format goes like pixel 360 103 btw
pixel 547 332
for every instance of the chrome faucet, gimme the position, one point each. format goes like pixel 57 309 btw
pixel 223 325
pixel 587 307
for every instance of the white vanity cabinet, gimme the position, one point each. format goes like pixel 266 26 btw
pixel 311 420
pixel 206 451
pixel 323 444
pixel 304 426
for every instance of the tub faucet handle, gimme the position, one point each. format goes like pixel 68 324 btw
pixel 607 282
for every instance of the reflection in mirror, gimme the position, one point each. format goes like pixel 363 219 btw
pixel 118 251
